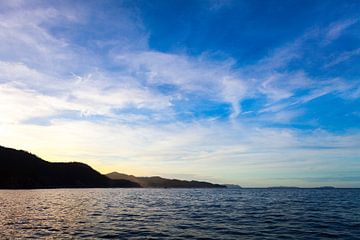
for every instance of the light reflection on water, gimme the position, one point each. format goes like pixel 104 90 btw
pixel 180 213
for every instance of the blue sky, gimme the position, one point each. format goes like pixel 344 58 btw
pixel 257 93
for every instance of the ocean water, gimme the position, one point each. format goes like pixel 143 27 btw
pixel 180 214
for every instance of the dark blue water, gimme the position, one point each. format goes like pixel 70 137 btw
pixel 180 214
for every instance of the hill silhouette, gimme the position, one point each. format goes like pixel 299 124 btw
pixel 159 182
pixel 23 170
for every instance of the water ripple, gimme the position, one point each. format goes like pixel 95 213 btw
pixel 180 214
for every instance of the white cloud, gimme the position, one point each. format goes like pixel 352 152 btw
pixel 23 38
pixel 101 96
pixel 20 105
pixel 201 76
pixel 233 90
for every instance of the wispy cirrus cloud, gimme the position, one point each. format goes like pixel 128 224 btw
pixel 337 28
pixel 343 57
pixel 151 69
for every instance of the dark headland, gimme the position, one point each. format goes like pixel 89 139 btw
pixel 22 170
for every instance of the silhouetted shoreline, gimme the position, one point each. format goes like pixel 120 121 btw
pixel 23 170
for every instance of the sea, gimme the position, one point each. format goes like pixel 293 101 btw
pixel 180 214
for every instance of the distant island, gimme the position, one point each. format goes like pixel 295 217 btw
pixel 283 187
pixel 232 186
pixel 291 187
pixel 23 170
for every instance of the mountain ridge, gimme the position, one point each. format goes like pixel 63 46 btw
pixel 23 170
pixel 159 182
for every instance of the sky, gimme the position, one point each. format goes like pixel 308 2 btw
pixel 256 93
